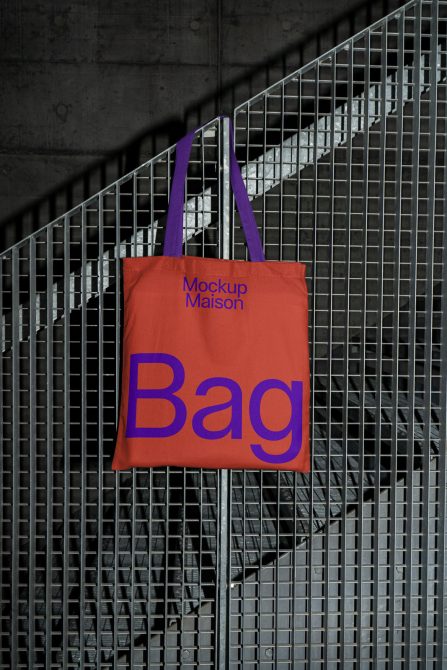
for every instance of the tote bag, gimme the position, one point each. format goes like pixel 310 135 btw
pixel 215 366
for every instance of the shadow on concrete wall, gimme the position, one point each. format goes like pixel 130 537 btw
pixel 159 136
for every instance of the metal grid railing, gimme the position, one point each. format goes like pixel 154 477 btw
pixel 346 162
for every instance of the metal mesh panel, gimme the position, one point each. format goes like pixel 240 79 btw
pixel 346 163
pixel 98 567
pixel 351 181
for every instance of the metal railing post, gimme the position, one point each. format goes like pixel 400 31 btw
pixel 223 613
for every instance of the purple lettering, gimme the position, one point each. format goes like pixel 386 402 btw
pixel 222 285
pixel 294 427
pixel 190 302
pixel 235 404
pixel 189 287
pixel 135 393
pixel 233 428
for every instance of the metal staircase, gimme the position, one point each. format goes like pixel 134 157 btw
pixel 346 163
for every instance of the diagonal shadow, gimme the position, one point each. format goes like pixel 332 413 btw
pixel 155 138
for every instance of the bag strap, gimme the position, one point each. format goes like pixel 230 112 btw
pixel 174 226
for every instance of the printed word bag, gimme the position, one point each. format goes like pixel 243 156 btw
pixel 215 368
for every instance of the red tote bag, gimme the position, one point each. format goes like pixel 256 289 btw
pixel 215 368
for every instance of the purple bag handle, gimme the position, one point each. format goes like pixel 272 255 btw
pixel 174 225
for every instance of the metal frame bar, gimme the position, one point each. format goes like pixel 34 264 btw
pixel 260 540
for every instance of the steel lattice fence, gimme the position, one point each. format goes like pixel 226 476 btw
pixel 346 162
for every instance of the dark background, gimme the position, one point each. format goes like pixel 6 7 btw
pixel 92 88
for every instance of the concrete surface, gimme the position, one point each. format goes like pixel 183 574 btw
pixel 91 88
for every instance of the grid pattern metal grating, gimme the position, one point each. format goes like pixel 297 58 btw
pixel 346 163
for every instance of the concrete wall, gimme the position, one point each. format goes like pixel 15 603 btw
pixel 92 88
